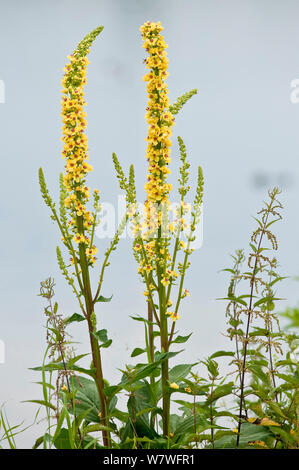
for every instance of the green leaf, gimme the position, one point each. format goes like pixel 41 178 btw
pixel 222 353
pixel 136 408
pixel 259 332
pixel 145 370
pixel 187 425
pixel 180 371
pixel 74 318
pixel 221 391
pixel 104 299
pixel 176 373
pixel 120 415
pixel 41 402
pixel 86 398
pixel 60 423
pixel 249 433
pixel 269 299
pixel 95 428
pixel 138 318
pixel 181 339
pixel 50 386
pixel 232 298
pixel 60 366
pixel 75 359
pixel 38 442
pixel 102 337
pixel 292 379
pixel 140 374
pixel 257 371
pixel 137 352
pixel 63 441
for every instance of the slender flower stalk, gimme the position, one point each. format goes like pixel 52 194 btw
pixel 82 222
pixel 76 223
pixel 160 122
pixel 153 232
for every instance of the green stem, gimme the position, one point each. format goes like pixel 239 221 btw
pixel 165 365
pixel 95 350
pixel 249 315
pixel 150 331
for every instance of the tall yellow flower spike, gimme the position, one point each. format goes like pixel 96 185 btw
pixel 75 149
pixel 160 122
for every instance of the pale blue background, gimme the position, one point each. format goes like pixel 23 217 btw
pixel 242 128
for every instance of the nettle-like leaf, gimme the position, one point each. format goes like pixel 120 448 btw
pixel 60 366
pixel 221 391
pixel 86 398
pixel 222 353
pixel 250 433
pixel 140 371
pixel 177 373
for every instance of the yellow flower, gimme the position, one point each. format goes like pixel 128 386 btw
pixel 160 122
pixel 148 268
pixel 91 251
pixel 185 293
pixel 171 227
pixel 78 238
pixel 165 281
pixel 175 316
pixel 258 443
pixel 174 386
pixel 75 143
pixel 188 389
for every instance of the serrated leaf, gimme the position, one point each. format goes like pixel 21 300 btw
pixel 86 398
pixel 249 433
pixel 220 391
